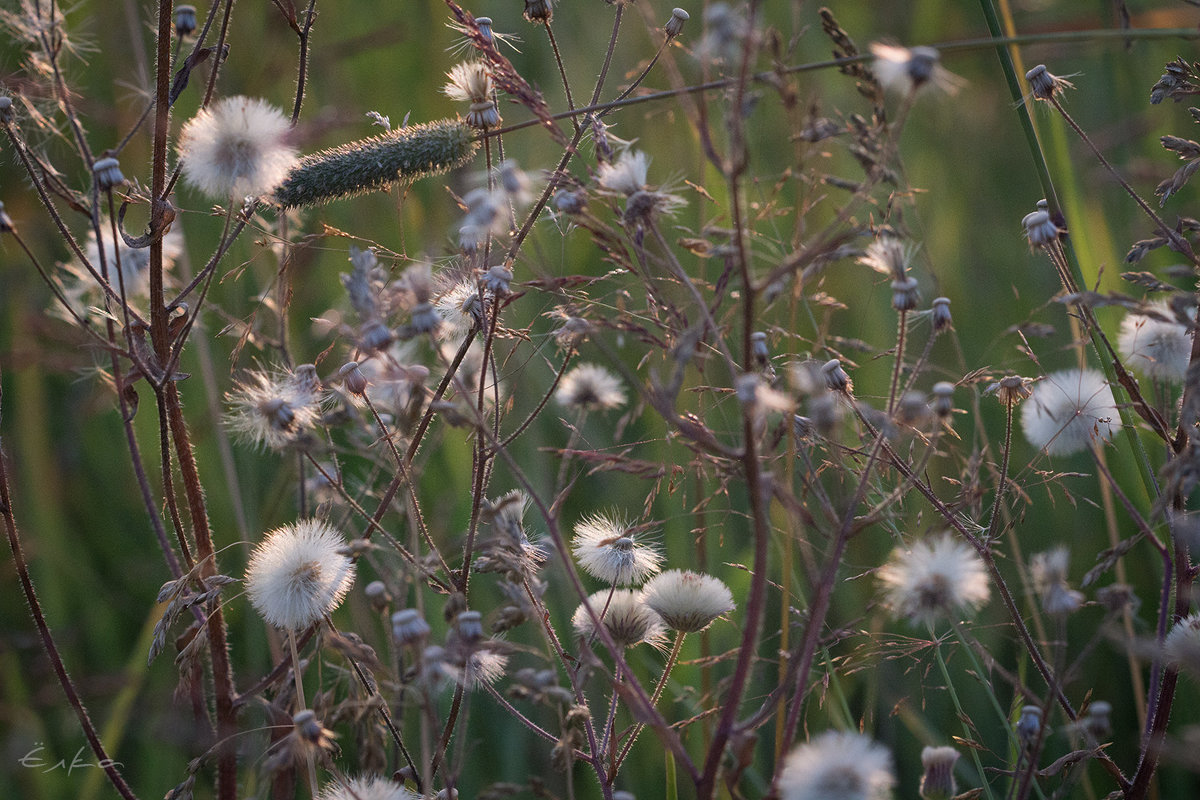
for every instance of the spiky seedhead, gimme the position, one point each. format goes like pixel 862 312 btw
pixel 367 165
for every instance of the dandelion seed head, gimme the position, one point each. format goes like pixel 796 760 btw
pixel 470 82
pixel 1068 411
pixel 905 70
pixel 135 262
pixel 687 601
pixel 298 574
pixel 628 620
pixel 837 765
pixel 888 255
pixel 1156 345
pixel 606 549
pixel 936 578
pixel 274 409
pixel 627 175
pixel 367 788
pixel 459 307
pixel 1049 571
pixel 1182 646
pixel 237 147
pixel 590 387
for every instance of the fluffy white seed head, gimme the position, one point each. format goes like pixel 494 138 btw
pixel 934 579
pixel 1182 647
pixel 837 766
pixel 687 601
pixel 606 549
pixel 905 70
pixel 298 574
pixel 1157 346
pixel 590 387
pixel 1049 571
pixel 367 788
pixel 628 620
pixel 274 409
pixel 236 147
pixel 626 175
pixel 1068 410
pixel 470 82
pixel 135 263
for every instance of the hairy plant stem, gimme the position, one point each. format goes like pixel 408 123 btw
pixel 997 503
pixel 298 675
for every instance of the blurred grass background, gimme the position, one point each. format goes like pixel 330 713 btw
pixel 93 554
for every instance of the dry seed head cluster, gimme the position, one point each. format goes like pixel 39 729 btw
pixel 626 617
pixel 837 765
pixel 1069 411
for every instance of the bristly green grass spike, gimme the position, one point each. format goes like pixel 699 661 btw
pixel 406 154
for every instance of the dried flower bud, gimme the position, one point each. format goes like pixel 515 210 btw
pixel 185 20
pixel 353 378
pixel 570 201
pixel 943 399
pixel 485 28
pixel 674 25
pixel 1044 84
pixel 497 280
pixel 758 348
pixel 424 318
pixel 835 377
pixel 1098 722
pixel 1012 389
pixel 107 172
pixel 940 314
pixel 409 627
pixel 378 594
pixel 1029 725
pixel 6 109
pixel 938 781
pixel 539 10
pixel 1040 229
pixel 469 626
pixel 904 294
pixel 913 408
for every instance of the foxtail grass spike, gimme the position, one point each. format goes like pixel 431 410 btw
pixel 406 154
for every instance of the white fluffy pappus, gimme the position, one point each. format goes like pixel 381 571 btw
pixel 298 574
pixel 590 387
pixel 1182 646
pixel 628 620
pixel 605 547
pixel 1068 410
pixel 367 788
pixel 235 148
pixel 836 765
pixel 687 601
pixel 274 409
pixel 934 579
pixel 135 263
pixel 1157 346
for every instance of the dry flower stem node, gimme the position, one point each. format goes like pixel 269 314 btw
pixel 935 579
pixel 298 574
pixel 1068 411
pixel 237 147
pixel 626 618
pixel 687 601
pixel 836 764
pixel 605 548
